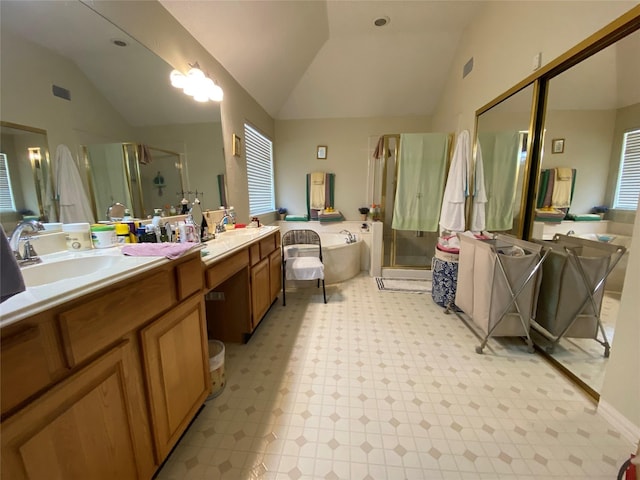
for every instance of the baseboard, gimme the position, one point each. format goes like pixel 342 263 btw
pixel 628 429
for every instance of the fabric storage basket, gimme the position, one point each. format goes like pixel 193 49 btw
pixel 563 291
pixel 444 270
pixel 483 292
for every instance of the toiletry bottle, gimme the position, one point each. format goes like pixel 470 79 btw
pixel 157 217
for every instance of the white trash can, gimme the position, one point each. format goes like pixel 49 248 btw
pixel 216 367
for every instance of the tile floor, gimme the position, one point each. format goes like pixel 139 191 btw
pixel 383 385
pixel 585 356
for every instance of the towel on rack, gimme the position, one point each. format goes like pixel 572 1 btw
pixel 317 190
pixel 421 171
pixel 551 182
pixel 561 197
pixel 563 173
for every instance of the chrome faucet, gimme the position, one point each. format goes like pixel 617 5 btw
pixel 351 238
pixel 571 232
pixel 29 255
pixel 220 226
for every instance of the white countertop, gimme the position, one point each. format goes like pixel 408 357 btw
pixel 40 298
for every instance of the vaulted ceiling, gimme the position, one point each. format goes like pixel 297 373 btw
pixel 326 59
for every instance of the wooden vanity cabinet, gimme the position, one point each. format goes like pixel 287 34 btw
pixel 117 377
pixel 87 426
pixel 241 289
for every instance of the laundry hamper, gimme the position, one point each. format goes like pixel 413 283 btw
pixel 572 289
pixel 498 281
pixel 444 271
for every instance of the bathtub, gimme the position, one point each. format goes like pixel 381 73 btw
pixel 341 260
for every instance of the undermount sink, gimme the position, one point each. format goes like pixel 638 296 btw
pixel 241 231
pixel 49 272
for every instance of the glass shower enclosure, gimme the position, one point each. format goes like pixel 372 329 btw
pixel 402 249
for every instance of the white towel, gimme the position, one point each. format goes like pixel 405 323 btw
pixel 479 195
pixel 316 193
pixel 455 192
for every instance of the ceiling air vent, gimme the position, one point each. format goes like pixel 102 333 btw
pixel 61 92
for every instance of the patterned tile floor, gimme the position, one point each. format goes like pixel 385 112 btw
pixel 383 385
pixel 584 356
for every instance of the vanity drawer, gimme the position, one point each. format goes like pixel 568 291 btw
pixel 189 277
pixel 97 323
pixel 219 272
pixel 267 246
pixel 30 359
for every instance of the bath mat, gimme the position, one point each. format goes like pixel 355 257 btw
pixel 404 285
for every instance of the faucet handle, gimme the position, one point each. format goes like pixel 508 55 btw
pixel 29 251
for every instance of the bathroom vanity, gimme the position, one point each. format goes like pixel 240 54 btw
pixel 102 382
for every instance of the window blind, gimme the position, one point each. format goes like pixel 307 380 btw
pixel 628 187
pixel 6 194
pixel 259 157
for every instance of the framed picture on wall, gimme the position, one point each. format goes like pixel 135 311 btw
pixel 322 152
pixel 236 145
pixel 557 145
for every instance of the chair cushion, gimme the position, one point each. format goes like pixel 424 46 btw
pixel 304 268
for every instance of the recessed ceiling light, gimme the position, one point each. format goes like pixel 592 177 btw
pixel 119 43
pixel 381 21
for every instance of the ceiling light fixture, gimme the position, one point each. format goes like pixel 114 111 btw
pixel 381 21
pixel 196 84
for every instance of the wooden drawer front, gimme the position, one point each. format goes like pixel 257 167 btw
pixel 254 252
pixel 267 246
pixel 99 322
pixel 190 277
pixel 220 271
pixel 31 359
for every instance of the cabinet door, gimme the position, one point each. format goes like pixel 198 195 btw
pixel 260 290
pixel 275 273
pixel 83 428
pixel 176 360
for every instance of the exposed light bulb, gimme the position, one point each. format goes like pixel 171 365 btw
pixel 178 80
pixel 197 85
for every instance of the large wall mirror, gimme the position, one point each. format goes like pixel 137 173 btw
pixel 119 93
pixel 590 108
pixel 502 137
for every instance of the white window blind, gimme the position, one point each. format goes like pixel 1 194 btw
pixel 259 155
pixel 6 194
pixel 628 187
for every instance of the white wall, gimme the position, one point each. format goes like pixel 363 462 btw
pixel 348 156
pixel 503 40
pixel 621 389
pixel 588 142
